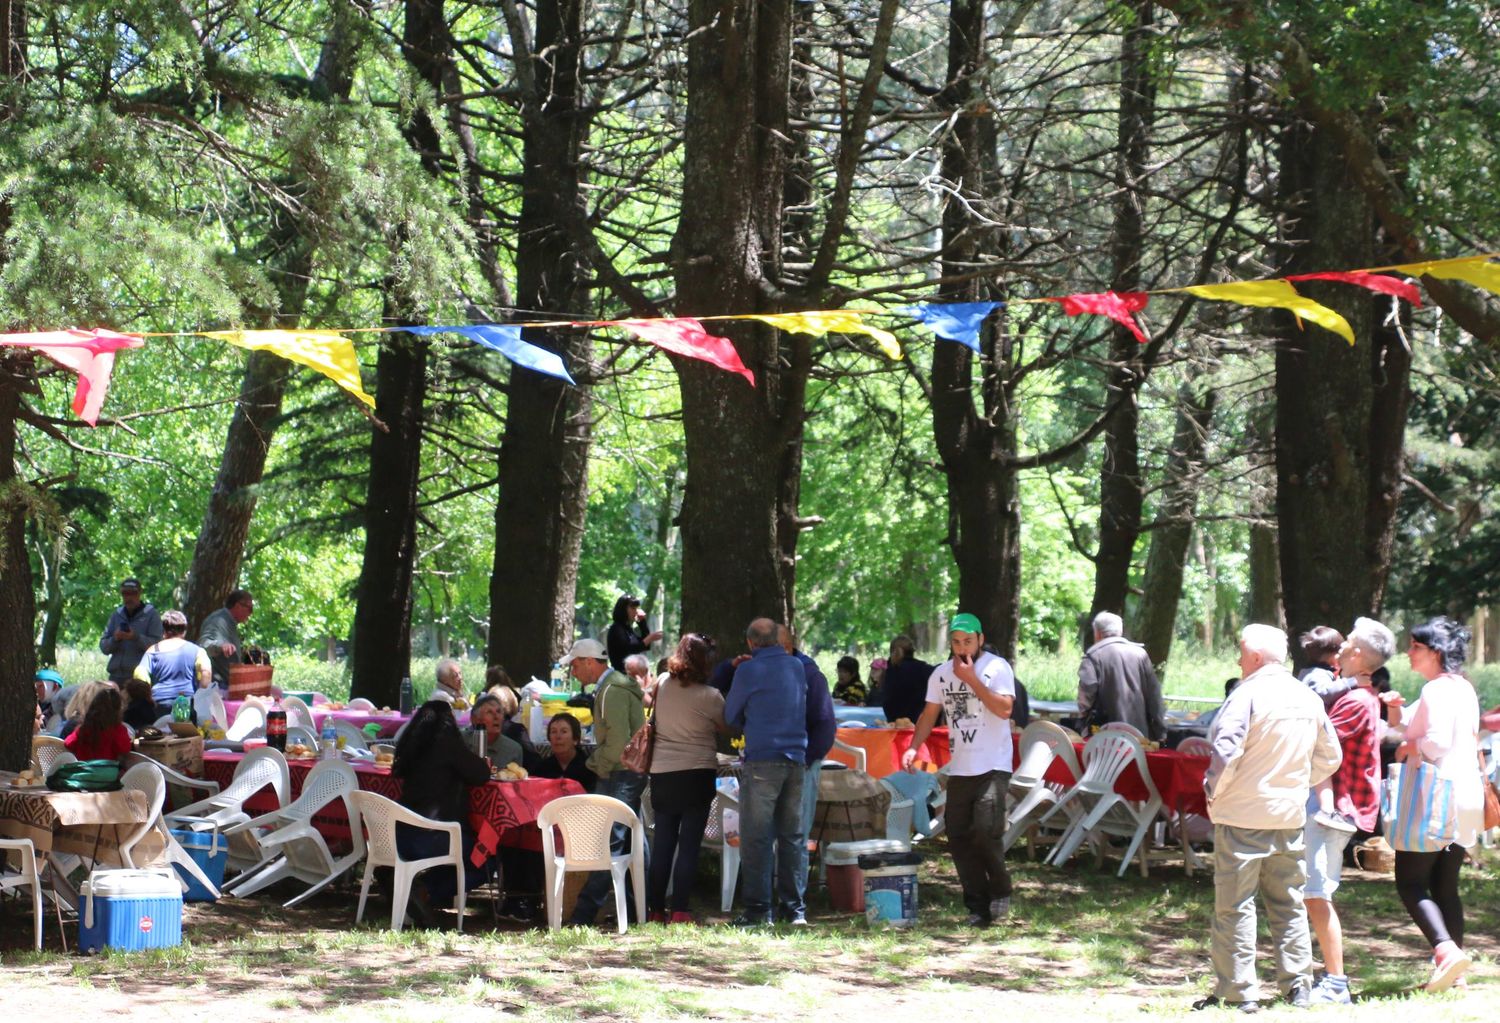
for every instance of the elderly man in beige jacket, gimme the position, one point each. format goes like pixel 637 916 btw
pixel 1271 742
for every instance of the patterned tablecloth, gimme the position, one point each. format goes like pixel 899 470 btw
pixel 884 748
pixel 86 823
pixel 508 808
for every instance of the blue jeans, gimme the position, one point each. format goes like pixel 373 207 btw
pixel 810 778
pixel 771 815
pixel 626 786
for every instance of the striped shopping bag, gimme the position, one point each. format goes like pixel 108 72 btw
pixel 1418 807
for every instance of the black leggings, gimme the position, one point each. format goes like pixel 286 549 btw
pixel 685 798
pixel 1428 886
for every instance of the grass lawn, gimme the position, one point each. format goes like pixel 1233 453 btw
pixel 1081 944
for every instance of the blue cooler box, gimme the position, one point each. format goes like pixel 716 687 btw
pixel 210 854
pixel 130 910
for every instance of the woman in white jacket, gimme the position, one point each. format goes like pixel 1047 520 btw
pixel 1443 731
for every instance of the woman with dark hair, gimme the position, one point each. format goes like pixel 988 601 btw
pixel 688 718
pixel 849 689
pixel 565 759
pixel 101 735
pixel 436 768
pixel 627 634
pixel 1443 730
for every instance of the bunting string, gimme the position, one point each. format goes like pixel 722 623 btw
pixel 90 354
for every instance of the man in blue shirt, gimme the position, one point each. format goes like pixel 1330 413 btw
pixel 769 704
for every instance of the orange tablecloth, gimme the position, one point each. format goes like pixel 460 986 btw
pixel 884 748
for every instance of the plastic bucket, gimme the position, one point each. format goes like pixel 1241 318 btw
pixel 890 888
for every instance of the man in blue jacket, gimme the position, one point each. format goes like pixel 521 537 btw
pixel 769 704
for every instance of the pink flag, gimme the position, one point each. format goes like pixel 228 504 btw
pixel 1375 282
pixel 1117 305
pixel 686 337
pixel 89 353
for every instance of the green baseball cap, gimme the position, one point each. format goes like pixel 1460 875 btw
pixel 965 623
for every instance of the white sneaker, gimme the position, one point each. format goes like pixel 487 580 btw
pixel 1000 908
pixel 1334 821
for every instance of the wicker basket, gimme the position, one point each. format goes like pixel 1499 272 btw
pixel 1375 855
pixel 249 680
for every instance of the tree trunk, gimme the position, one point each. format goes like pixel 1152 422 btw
pixel 739 439
pixel 220 551
pixel 49 555
pixel 1265 566
pixel 1340 410
pixel 1121 496
pixel 1155 619
pixel 544 453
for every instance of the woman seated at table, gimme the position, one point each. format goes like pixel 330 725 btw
pixel 76 705
pixel 510 703
pixel 436 768
pixel 101 735
pixel 566 760
pixel 489 714
pixel 849 689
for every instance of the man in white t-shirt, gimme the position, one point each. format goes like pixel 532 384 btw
pixel 977 689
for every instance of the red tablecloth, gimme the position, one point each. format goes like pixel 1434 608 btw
pixel 508 807
pixel 389 723
pixel 884 748
pixel 1178 777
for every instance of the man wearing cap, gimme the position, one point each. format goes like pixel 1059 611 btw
pixel 619 709
pixel 220 634
pixel 133 628
pixel 977 689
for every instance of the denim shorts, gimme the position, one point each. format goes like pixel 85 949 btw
pixel 1325 859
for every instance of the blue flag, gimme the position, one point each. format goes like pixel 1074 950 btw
pixel 505 338
pixel 956 321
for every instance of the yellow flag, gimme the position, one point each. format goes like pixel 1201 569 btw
pixel 1276 295
pixel 326 351
pixel 832 321
pixel 1476 270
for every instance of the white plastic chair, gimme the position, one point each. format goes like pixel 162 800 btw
pixel 298 714
pixel 361 704
pixel 221 810
pixel 304 736
pixel 290 846
pixel 353 737
pixel 586 823
pixel 861 758
pixel 250 717
pixel 1126 727
pixel 921 787
pixel 1195 746
pixel 1032 797
pixel 380 816
pixel 208 704
pixel 28 876
pixel 1102 811
pixel 729 855
pixel 146 778
pixel 900 817
pixel 46 753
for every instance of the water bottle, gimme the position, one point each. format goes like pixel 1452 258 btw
pixel 328 746
pixel 406 695
pixel 559 678
pixel 537 730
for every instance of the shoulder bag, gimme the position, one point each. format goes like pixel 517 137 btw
pixel 636 756
pixel 1491 796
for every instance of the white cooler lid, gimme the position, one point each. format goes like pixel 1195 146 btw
pixel 847 854
pixel 131 884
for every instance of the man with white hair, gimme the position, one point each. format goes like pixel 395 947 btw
pixel 1271 743
pixel 1117 683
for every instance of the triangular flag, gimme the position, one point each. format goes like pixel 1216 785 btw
pixel 1276 295
pixel 1476 270
pixel 1119 306
pixel 1364 279
pixel 686 337
pixel 89 353
pixel 327 351
pixel 954 321
pixel 506 339
pixel 831 321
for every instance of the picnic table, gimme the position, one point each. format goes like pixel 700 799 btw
pixel 505 810
pixel 872 717
pixel 1177 776
pixel 389 722
pixel 884 748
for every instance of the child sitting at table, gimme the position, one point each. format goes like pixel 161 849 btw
pixel 101 735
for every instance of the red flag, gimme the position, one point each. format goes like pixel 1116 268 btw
pixel 1117 305
pixel 1374 282
pixel 89 353
pixel 686 337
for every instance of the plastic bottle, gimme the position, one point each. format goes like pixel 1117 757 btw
pixel 537 727
pixel 276 728
pixel 558 677
pixel 406 695
pixel 328 746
